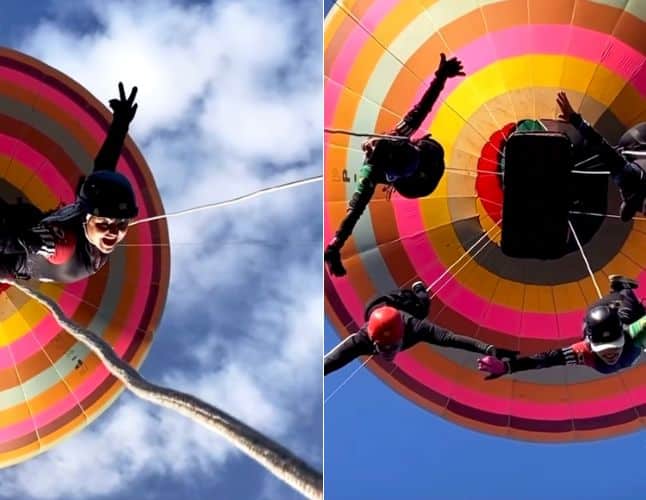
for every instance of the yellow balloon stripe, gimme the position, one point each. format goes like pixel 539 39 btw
pixel 24 319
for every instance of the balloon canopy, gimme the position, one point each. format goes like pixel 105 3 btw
pixel 50 385
pixel 379 58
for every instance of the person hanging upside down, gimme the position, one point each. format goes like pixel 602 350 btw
pixel 75 241
pixel 629 176
pixel 413 167
pixel 614 336
pixel 396 322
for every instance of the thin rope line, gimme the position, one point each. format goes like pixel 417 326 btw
pixel 348 379
pixel 428 289
pixel 270 454
pixel 363 134
pixel 585 259
pixel 386 49
pixel 466 170
pixel 610 216
pixel 591 172
pixel 472 257
pixel 232 201
pixel 587 160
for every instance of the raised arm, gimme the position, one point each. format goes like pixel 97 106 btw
pixel 414 118
pixel 608 155
pixel 124 111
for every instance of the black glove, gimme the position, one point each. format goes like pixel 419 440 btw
pixel 39 240
pixel 450 68
pixel 332 258
pixel 501 352
pixel 122 108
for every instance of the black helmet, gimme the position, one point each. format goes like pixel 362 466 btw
pixel 603 328
pixel 397 157
pixel 429 172
pixel 108 194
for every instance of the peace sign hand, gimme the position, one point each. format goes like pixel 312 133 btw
pixel 122 108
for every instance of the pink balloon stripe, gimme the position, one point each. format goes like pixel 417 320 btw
pixel 516 406
pixel 38 164
pixel 582 43
pixel 572 41
pixel 50 94
pixel 91 383
pixel 72 109
pixel 353 43
pixel 556 39
pixel 53 412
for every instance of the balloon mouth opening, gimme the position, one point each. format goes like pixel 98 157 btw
pixel 563 196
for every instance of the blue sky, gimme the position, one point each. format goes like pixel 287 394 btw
pixel 378 445
pixel 222 112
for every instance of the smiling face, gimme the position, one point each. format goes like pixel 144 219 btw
pixel 610 356
pixel 105 233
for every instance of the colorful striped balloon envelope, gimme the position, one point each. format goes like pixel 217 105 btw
pixel 379 58
pixel 50 385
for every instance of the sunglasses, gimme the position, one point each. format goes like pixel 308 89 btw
pixel 119 224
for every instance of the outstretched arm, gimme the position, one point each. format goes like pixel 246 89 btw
pixel 37 240
pixel 608 155
pixel 414 118
pixel 358 203
pixel 576 354
pixel 351 348
pixel 124 111
pixel 426 331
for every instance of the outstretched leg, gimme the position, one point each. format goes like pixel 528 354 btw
pixel 619 282
pixel 355 345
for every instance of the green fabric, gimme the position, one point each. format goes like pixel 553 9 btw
pixel 637 331
pixel 364 171
pixel 530 126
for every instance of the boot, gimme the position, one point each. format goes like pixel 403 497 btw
pixel 418 287
pixel 619 282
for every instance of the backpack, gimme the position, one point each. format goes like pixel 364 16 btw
pixel 403 300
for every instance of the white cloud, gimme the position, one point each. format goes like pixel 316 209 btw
pixel 229 102
pixel 135 440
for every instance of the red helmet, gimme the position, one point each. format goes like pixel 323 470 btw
pixel 385 326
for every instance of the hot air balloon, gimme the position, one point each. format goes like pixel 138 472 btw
pixel 379 58
pixel 52 386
